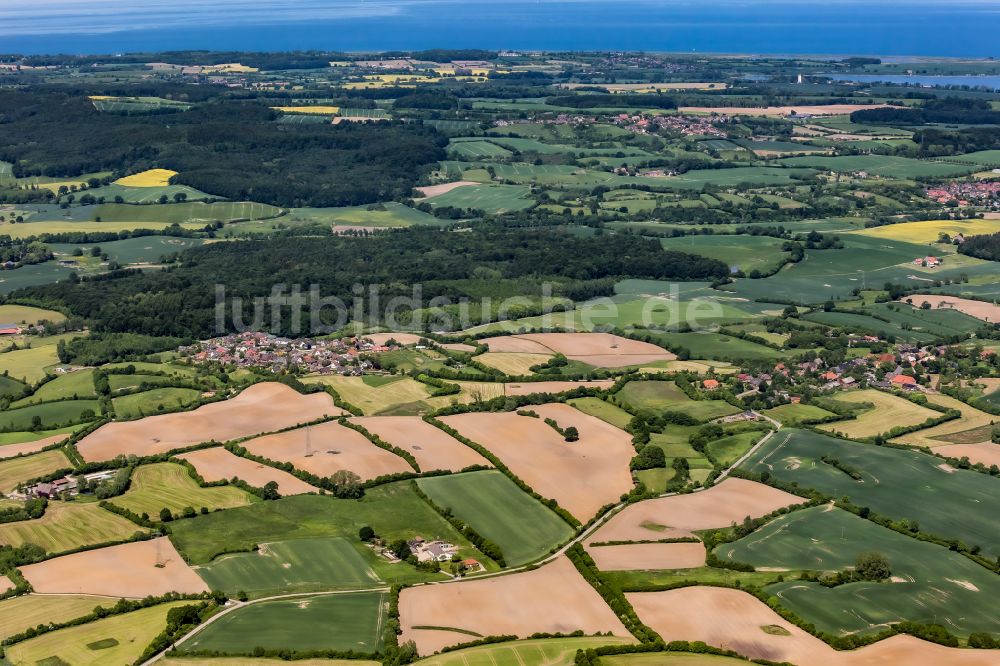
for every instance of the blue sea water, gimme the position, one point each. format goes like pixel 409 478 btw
pixel 877 27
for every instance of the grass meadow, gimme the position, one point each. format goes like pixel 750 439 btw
pixel 297 565
pixel 658 396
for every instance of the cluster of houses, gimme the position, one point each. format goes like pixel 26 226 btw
pixel 685 125
pixel 263 350
pixel 976 193
pixel 432 551
pixel 927 262
pixel 67 486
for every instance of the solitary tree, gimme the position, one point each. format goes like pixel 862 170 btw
pixel 872 566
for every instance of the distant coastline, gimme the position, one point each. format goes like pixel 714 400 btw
pixel 942 29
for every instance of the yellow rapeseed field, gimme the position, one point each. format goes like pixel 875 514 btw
pixel 150 178
pixel 318 110
pixel 927 231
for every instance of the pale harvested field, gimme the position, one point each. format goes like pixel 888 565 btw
pixel 971 418
pixel 434 190
pixel 515 344
pixel 513 363
pixel 326 448
pixel 5 584
pixel 987 453
pixel 459 347
pixel 823 110
pixel 11 450
pixel 889 411
pixel 31 610
pixel 731 619
pixel 978 309
pixel 553 598
pixel 680 515
pixel 602 350
pixel 128 571
pixel 528 388
pixel 260 408
pixel 218 464
pixel 637 556
pixel 433 448
pixel 582 476
pixel 401 338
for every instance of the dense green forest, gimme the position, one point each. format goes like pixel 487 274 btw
pixel 490 261
pixel 986 246
pixel 948 110
pixel 229 148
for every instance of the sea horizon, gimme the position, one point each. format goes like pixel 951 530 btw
pixel 781 28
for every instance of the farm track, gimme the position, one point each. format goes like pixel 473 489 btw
pixel 579 538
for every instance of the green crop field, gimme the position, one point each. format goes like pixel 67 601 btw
pixel 792 414
pixel 129 105
pixel 535 652
pixel 986 158
pixel 524 528
pixel 26 611
pixel 905 322
pixel 487 198
pixel 393 510
pixel 18 437
pixel 119 639
pixel 122 382
pixel 298 565
pixel 603 410
pixel 886 166
pixel 67 526
pixel 729 449
pixel 342 622
pixel 746 253
pixel 51 414
pixel 934 585
pixel 84 227
pixel 79 384
pixel 835 273
pixel 11 387
pixel 147 195
pixel 717 346
pixel 141 250
pixel 188 212
pixel 389 214
pixel 476 149
pixel 154 401
pixel 658 396
pixel 954 504
pixel 170 486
